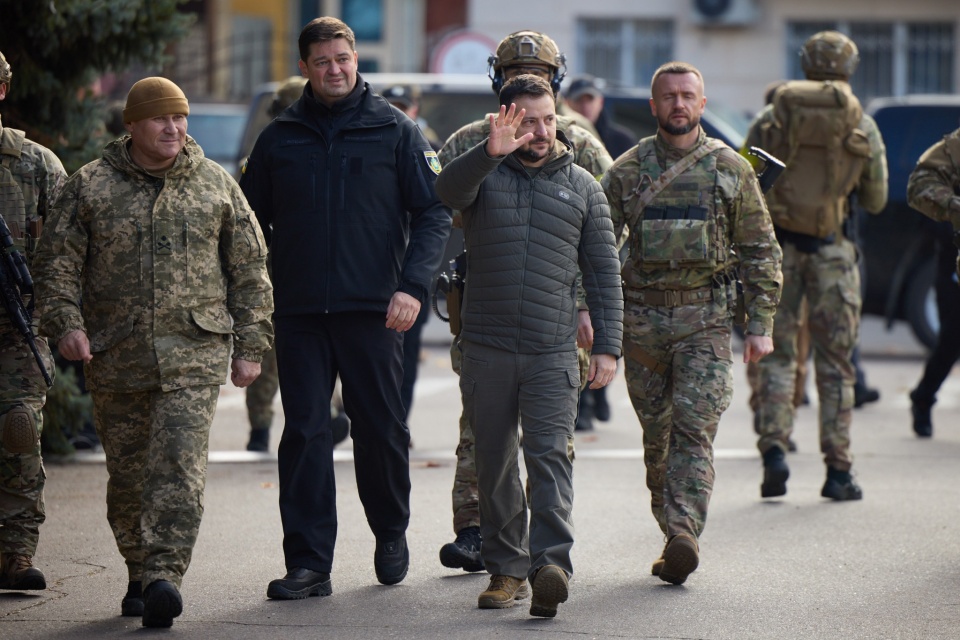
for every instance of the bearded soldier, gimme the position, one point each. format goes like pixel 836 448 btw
pixel 696 217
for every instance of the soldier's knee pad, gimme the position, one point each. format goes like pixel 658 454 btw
pixel 19 431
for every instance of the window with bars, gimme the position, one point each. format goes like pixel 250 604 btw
pixel 896 58
pixel 624 52
pixel 365 17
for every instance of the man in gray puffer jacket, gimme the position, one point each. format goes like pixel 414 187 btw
pixel 530 217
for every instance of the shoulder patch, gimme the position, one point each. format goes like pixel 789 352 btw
pixel 432 161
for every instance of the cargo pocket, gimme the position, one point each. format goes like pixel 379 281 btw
pixel 215 320
pixel 846 324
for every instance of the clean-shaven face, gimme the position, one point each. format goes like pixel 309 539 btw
pixel 331 70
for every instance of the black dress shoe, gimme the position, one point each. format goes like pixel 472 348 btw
pixel 300 583
pixel 161 604
pixel 391 560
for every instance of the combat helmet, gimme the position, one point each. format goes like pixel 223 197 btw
pixel 829 55
pixel 5 72
pixel 287 93
pixel 527 47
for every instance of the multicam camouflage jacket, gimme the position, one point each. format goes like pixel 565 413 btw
pixel 706 224
pixel 168 270
pixel 934 185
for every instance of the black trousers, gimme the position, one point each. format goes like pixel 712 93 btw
pixel 311 351
pixel 411 358
pixel 945 354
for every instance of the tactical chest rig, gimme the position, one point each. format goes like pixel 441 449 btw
pixel 684 229
pixel 12 202
pixel 681 231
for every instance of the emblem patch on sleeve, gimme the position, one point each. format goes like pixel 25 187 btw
pixel 432 161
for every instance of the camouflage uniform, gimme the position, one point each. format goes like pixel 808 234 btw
pixel 590 154
pixel 829 279
pixel 934 185
pixel 172 274
pixel 678 319
pixel 934 190
pixel 31 176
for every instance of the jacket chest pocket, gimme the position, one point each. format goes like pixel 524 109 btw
pixel 197 232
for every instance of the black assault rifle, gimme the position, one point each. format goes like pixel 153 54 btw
pixel 14 280
pixel 772 168
pixel 451 285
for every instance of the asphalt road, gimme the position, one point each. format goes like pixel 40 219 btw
pixel 797 567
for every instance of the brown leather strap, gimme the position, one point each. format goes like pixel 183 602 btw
pixel 634 352
pixel 669 298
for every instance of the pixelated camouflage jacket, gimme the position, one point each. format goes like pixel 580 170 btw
pixel 934 185
pixel 872 188
pixel 169 270
pixel 588 153
pixel 31 177
pixel 726 185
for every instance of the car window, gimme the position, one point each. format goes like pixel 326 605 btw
pixel 219 135
pixel 907 132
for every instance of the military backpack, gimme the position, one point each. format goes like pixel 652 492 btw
pixel 815 131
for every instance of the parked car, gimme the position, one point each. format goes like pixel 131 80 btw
pixel 899 243
pixel 218 129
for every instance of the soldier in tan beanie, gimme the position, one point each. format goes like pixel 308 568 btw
pixel 156 117
pixel 169 260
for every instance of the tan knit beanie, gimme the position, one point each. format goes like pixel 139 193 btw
pixel 152 97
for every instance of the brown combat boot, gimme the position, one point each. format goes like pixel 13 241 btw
pixel 550 588
pixel 503 592
pixel 680 558
pixel 657 564
pixel 18 573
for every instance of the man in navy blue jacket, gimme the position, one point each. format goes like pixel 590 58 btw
pixel 343 186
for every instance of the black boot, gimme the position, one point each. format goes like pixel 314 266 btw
pixel 775 473
pixel 601 408
pixel 162 603
pixel 862 394
pixel 840 486
pixel 922 420
pixel 464 552
pixel 132 603
pixel 259 440
pixel 585 412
